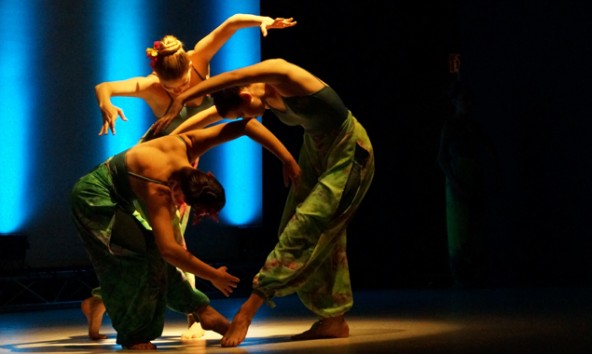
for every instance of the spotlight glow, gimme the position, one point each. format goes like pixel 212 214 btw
pixel 240 159
pixel 16 96
pixel 123 46
pixel 238 163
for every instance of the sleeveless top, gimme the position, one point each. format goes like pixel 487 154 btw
pixel 185 113
pixel 320 112
pixel 120 176
pixel 121 185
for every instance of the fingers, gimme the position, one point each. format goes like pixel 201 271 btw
pixel 227 289
pixel 227 282
pixel 287 22
pixel 161 124
pixel 104 129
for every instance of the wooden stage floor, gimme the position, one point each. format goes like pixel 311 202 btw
pixel 515 320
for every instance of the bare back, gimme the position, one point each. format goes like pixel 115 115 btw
pixel 156 159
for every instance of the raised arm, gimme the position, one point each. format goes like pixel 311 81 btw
pixel 287 78
pixel 209 45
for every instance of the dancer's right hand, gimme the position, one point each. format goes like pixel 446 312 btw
pixel 110 114
pixel 225 282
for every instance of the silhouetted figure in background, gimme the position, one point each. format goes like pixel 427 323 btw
pixel 461 158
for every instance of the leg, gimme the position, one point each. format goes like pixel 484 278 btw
pixel 183 297
pixel 241 321
pixel 194 329
pixel 94 309
pixel 130 277
pixel 327 292
pixel 212 320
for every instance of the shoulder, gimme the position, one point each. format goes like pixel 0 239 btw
pixel 199 61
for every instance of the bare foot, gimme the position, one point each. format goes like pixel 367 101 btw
pixel 140 346
pixel 242 320
pixel 94 309
pixel 211 319
pixel 238 330
pixel 334 327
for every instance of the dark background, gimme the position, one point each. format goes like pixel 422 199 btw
pixel 527 63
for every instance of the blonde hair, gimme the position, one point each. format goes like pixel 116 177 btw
pixel 168 58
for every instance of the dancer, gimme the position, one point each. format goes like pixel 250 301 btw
pixel 138 276
pixel 464 156
pixel 337 164
pixel 174 70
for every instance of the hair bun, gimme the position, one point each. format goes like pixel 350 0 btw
pixel 169 45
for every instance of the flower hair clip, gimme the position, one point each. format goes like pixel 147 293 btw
pixel 152 53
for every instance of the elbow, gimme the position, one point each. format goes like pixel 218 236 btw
pixel 277 61
pixel 252 127
pixel 169 256
pixel 100 88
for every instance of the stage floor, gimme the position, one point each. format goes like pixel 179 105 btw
pixel 541 320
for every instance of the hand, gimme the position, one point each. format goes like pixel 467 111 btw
pixel 110 114
pixel 279 22
pixel 160 125
pixel 225 282
pixel 292 172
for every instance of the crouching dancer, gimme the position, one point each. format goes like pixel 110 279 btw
pixel 138 275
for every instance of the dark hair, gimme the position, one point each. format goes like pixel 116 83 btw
pixel 202 190
pixel 226 100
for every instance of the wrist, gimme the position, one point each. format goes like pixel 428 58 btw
pixel 181 99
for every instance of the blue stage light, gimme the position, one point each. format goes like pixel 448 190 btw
pixel 123 43
pixel 16 95
pixel 239 162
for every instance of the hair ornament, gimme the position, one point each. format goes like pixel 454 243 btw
pixel 152 53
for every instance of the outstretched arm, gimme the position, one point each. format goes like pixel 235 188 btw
pixel 199 120
pixel 209 45
pixel 161 212
pixel 287 78
pixel 205 139
pixel 132 87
